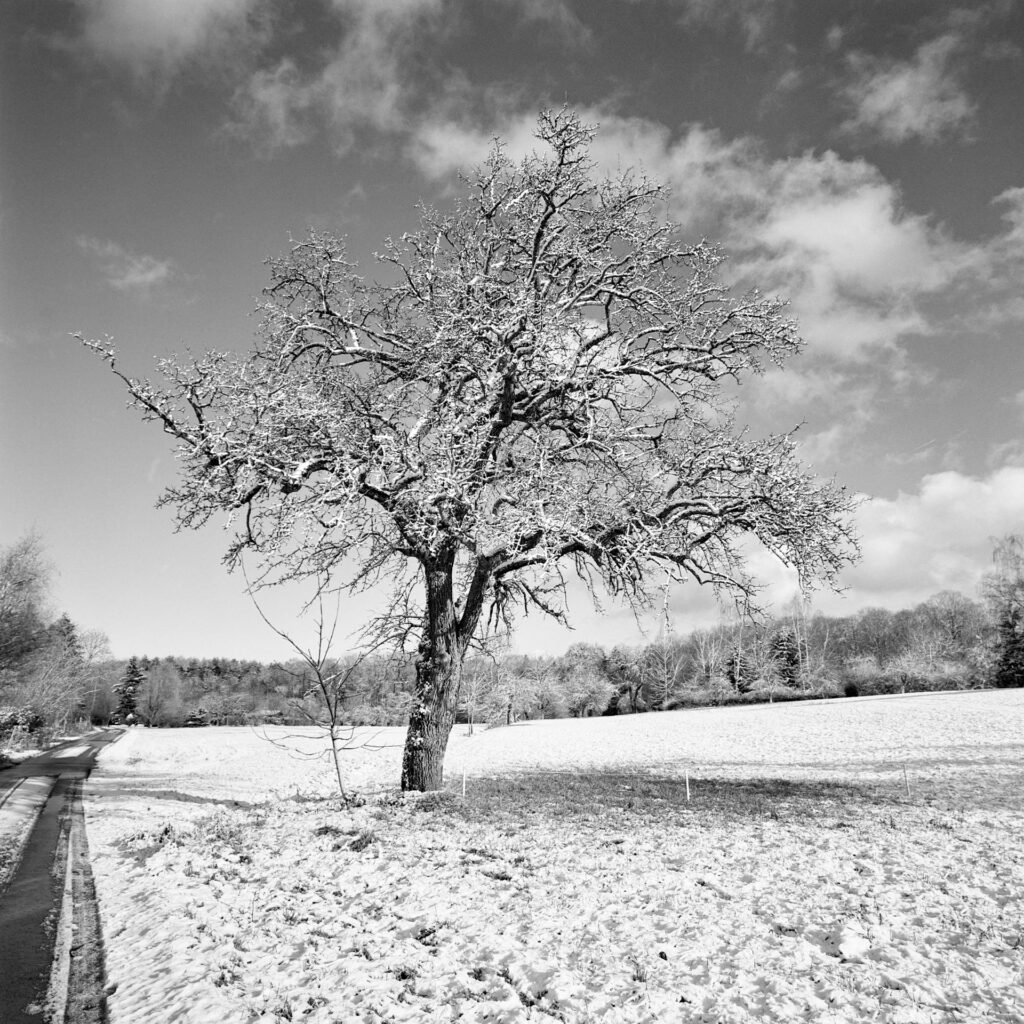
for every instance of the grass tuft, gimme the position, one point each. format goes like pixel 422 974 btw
pixel 362 839
pixel 640 973
pixel 328 830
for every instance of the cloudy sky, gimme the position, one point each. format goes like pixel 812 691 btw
pixel 864 158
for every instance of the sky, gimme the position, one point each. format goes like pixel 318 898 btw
pixel 863 158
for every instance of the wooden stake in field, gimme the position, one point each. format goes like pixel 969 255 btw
pixel 906 780
pixel 687 787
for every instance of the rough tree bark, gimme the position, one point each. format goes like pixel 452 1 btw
pixel 438 674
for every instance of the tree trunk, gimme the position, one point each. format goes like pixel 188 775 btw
pixel 438 674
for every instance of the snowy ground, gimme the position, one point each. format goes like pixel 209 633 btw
pixel 575 882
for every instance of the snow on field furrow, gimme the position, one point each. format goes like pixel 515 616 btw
pixel 701 952
pixel 890 909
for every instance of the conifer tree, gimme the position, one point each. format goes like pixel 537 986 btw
pixel 1010 664
pixel 1004 589
pixel 785 649
pixel 127 692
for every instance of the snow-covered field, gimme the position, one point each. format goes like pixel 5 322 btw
pixel 575 882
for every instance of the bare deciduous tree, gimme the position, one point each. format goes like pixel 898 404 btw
pixel 325 688
pixel 710 653
pixel 532 389
pixel 96 695
pixel 496 691
pixel 660 665
pixel 583 681
pixel 958 622
pixel 159 698
pixel 24 582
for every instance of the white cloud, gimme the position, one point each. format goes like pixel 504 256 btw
pixel 921 98
pixel 789 81
pixel 162 33
pixel 938 538
pixel 834 37
pixel 994 304
pixel 830 234
pixel 371 78
pixel 124 269
pixel 369 81
pixel 846 216
pixel 833 236
pixel 713 169
pixel 824 393
pixel 365 81
pixel 753 18
pixel 556 14
pixel 441 144
pixel 1009 453
pixel 916 544
pixel 1012 201
pixel 276 108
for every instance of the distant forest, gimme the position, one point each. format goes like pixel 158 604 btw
pixel 53 674
pixel 946 643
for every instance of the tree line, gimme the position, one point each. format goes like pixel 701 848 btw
pixel 49 667
pixel 52 673
pixel 948 642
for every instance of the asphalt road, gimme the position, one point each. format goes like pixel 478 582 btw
pixel 33 917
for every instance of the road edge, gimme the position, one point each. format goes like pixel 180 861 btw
pixel 77 993
pixel 24 820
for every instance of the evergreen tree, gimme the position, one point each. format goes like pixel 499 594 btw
pixel 1004 589
pixel 127 692
pixel 1010 664
pixel 785 651
pixel 62 635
